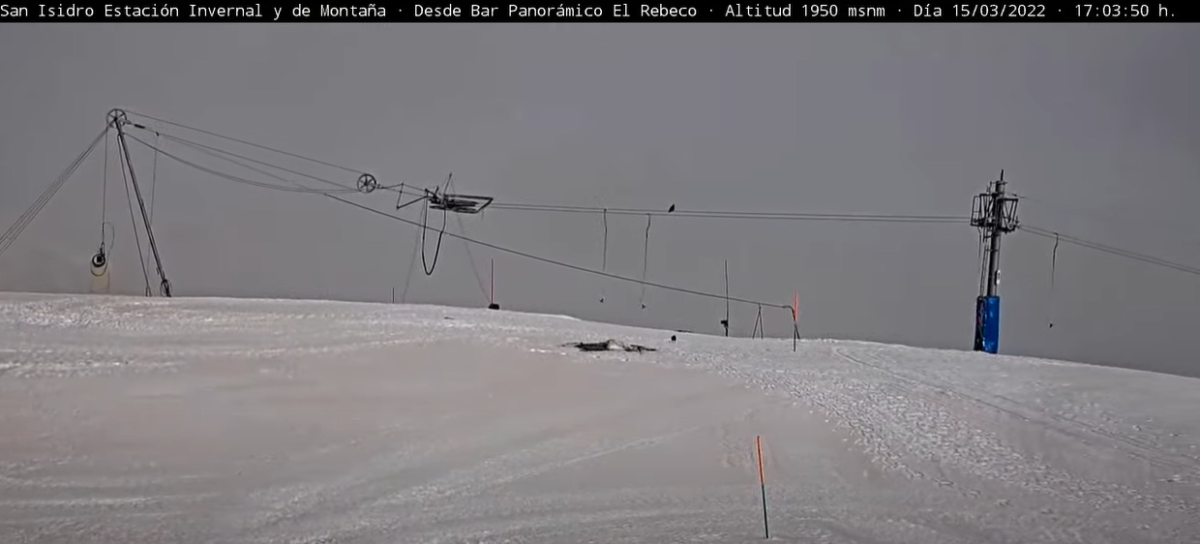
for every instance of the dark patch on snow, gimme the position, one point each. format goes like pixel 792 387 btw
pixel 609 345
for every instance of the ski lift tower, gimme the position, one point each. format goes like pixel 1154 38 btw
pixel 994 213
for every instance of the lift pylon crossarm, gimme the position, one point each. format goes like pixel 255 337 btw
pixel 995 209
pixel 410 202
pixel 457 203
pixel 989 211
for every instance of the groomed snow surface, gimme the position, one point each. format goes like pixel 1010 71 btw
pixel 132 420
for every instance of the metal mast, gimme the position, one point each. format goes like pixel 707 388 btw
pixel 994 213
pixel 118 119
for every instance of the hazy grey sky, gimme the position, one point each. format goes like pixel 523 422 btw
pixel 1094 122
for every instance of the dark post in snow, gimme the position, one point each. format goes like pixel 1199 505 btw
pixel 492 305
pixel 725 322
pixel 994 213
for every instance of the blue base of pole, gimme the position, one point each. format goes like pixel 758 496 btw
pixel 987 324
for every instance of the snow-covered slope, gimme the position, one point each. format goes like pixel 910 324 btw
pixel 212 420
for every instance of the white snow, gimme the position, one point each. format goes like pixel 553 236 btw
pixel 219 420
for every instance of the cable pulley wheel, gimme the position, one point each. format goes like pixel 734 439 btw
pixel 367 183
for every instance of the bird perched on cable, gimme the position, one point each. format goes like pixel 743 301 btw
pixel 671 209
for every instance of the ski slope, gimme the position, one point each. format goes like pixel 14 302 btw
pixel 245 421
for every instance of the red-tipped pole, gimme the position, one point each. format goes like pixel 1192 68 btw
pixel 762 482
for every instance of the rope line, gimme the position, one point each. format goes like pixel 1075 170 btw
pixel 1104 248
pixel 546 260
pixel 725 322
pixel 424 230
pixel 412 261
pixel 153 187
pixel 23 221
pixel 243 142
pixel 112 237
pixel 236 179
pixel 719 214
pixel 423 225
pixel 685 213
pixel 104 192
pixel 27 216
pixel 209 150
pixel 604 254
pixel 153 183
pixel 645 262
pixel 1053 265
pixel 513 206
pixel 471 258
pixel 132 221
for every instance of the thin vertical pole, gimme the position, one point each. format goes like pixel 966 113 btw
pixel 762 482
pixel 726 297
pixel 492 288
pixel 795 318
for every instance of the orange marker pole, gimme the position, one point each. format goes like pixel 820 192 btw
pixel 762 482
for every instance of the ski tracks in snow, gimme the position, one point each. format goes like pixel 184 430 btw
pixel 988 452
pixel 981 434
